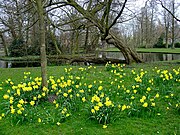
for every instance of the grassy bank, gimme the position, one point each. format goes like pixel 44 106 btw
pixel 125 87
pixel 159 50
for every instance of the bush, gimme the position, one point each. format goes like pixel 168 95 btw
pixel 177 45
pixel 34 50
pixel 51 40
pixel 159 43
pixel 50 48
pixel 17 48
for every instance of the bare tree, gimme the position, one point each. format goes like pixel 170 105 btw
pixel 172 32
pixel 169 11
pixel 166 24
pixel 99 14
pixel 170 14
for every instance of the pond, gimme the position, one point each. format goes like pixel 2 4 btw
pixel 16 64
pixel 151 57
pixel 146 57
pixel 8 64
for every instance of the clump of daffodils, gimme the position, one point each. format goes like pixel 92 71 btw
pixel 102 108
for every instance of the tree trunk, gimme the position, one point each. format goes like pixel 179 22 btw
pixel 129 55
pixel 72 43
pixel 77 42
pixel 42 43
pixel 4 44
pixel 173 11
pixel 86 40
pixel 166 38
pixel 53 38
pixel 19 20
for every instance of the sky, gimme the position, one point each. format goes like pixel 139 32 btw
pixel 140 3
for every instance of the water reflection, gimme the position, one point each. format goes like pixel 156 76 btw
pixel 151 57
pixel 5 64
pixel 146 57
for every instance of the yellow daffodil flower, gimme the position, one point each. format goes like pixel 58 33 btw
pixel 104 126
pixel 6 96
pixel 123 107
pixel 145 104
pixel 100 88
pixel 32 103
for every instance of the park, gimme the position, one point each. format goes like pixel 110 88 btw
pixel 89 67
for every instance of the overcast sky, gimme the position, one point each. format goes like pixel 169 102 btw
pixel 140 3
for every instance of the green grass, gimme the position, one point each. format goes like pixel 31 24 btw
pixel 79 123
pixel 151 50
pixel 37 58
pixel 76 126
pixel 159 50
pixel 24 58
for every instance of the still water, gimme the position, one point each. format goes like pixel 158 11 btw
pixel 5 64
pixel 146 57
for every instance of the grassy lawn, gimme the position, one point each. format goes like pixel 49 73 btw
pixel 163 50
pixel 37 58
pixel 123 112
pixel 153 50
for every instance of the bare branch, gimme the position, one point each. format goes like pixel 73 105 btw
pixel 32 24
pixel 120 13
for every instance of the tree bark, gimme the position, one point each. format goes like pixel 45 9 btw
pixel 42 43
pixel 173 11
pixel 53 38
pixel 86 40
pixel 166 36
pixel 4 44
pixel 129 55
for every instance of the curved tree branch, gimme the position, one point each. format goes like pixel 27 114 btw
pixel 117 17
pixel 177 19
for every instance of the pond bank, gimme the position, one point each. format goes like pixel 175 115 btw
pixel 149 50
pixel 83 59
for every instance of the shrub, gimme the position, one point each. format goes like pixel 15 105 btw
pixel 177 45
pixel 17 48
pixel 159 43
pixel 34 50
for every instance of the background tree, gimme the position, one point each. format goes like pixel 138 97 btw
pixel 170 8
pixel 170 11
pixel 4 43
